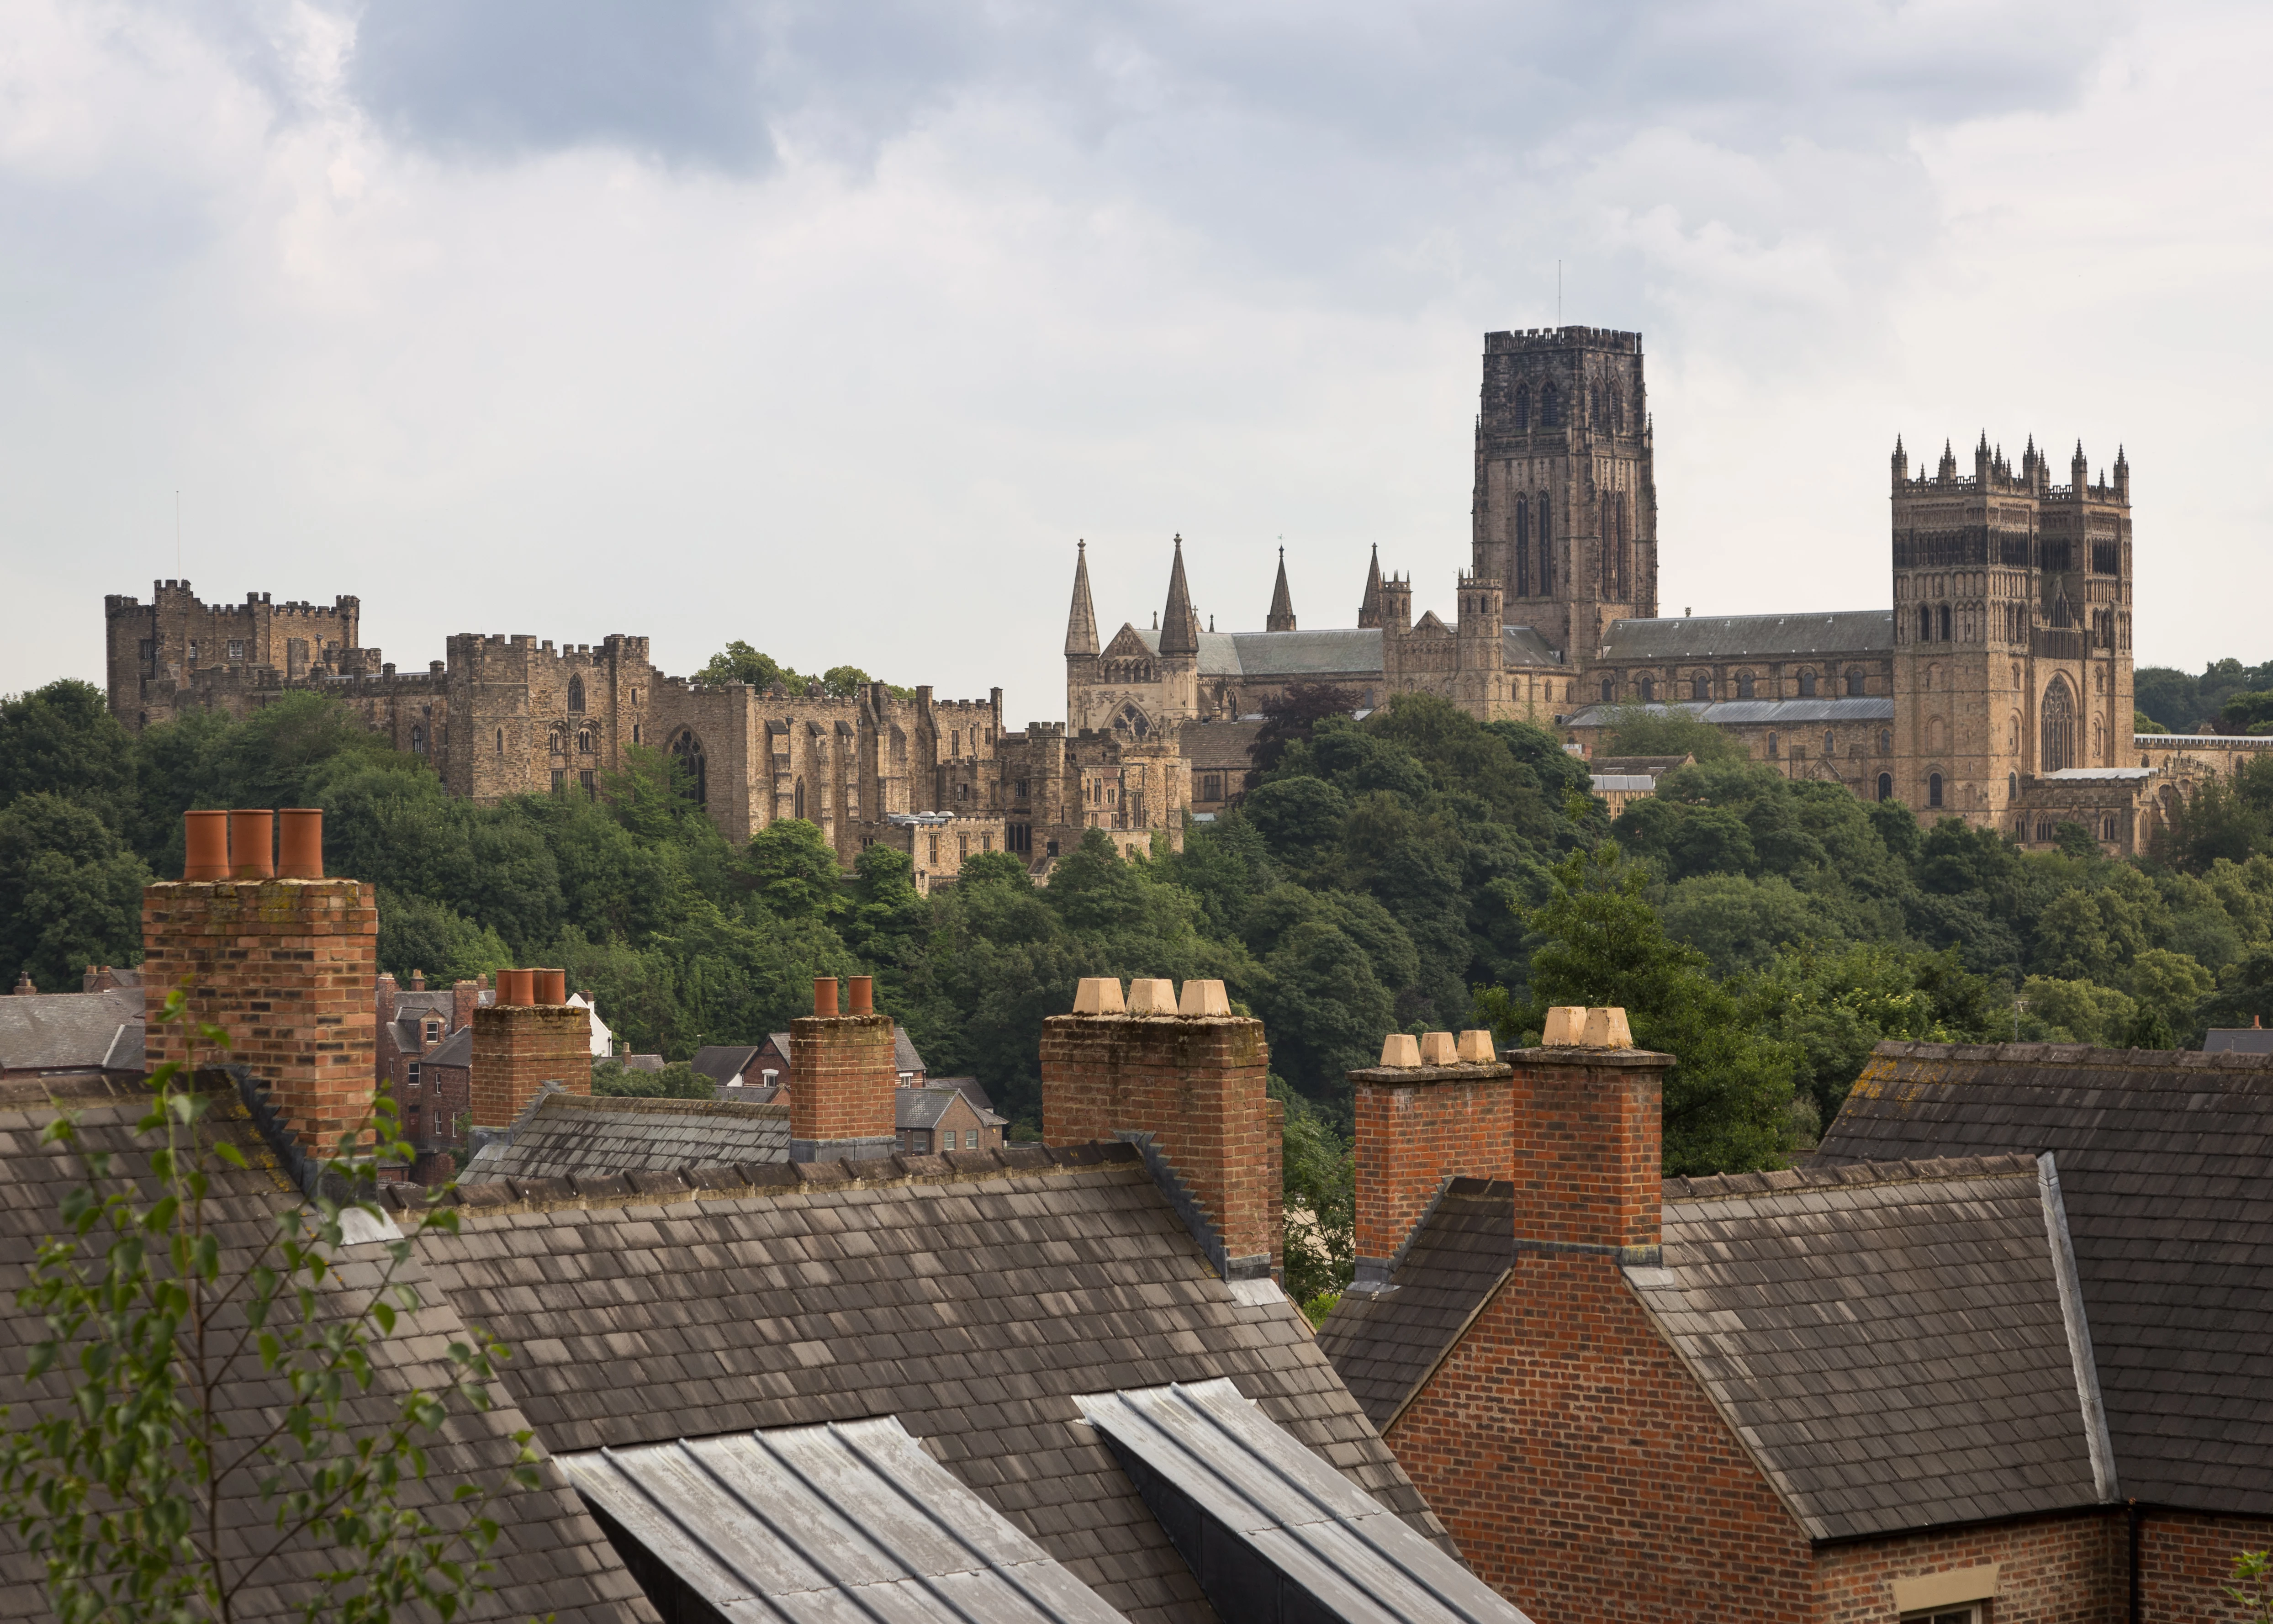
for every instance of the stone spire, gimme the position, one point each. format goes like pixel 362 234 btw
pixel 1282 601
pixel 1081 624
pixel 1179 628
pixel 1368 609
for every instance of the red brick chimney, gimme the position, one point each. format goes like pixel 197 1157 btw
pixel 521 1044
pixel 285 965
pixel 1588 1139
pixel 843 1071
pixel 1432 1110
pixel 1185 1080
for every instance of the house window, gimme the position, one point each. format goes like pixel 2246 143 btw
pixel 1945 1615
pixel 1743 685
pixel 1933 789
pixel 433 1031
pixel 1807 685
pixel 1886 787
pixel 923 1141
pixel 970 1138
pixel 411 1076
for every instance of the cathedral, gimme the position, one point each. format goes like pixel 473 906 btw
pixel 1994 685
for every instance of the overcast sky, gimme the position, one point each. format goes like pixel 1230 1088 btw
pixel 832 327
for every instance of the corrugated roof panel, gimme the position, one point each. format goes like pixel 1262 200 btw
pixel 1318 1531
pixel 845 1520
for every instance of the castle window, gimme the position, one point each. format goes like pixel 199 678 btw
pixel 1926 623
pixel 635 732
pixel 1886 741
pixel 586 778
pixel 583 741
pixel 575 695
pixel 1886 787
pixel 1743 685
pixel 559 778
pixel 1933 789
pixel 1522 410
pixel 194 651
pixel 1830 746
pixel 1648 690
pixel 1550 407
pixel 1807 685
pixel 1945 623
pixel 418 741
pixel 1854 682
pixel 2045 831
pixel 237 648
pixel 801 798
pixel 1609 690
pixel 1772 747
pixel 1699 688
pixel 1521 545
pixel 149 650
pixel 2057 728
pixel 500 741
pixel 556 741
pixel 2012 786
pixel 2107 824
pixel 693 770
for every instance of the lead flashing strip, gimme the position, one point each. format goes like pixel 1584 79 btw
pixel 2079 1333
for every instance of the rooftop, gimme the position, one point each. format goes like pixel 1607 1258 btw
pixel 72 1031
pixel 1751 636
pixel 559 1134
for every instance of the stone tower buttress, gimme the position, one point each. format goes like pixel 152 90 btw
pixel 1081 645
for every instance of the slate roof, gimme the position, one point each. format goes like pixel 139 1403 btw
pixel 559 1134
pixel 1750 636
pixel 1218 746
pixel 1747 712
pixel 72 1031
pixel 720 1061
pixel 922 1108
pixel 550 1557
pixel 1887 1340
pixel 457 1049
pixel 973 1296
pixel 1384 1344
pixel 1522 645
pixel 1348 651
pixel 2167 1165
pixel 2238 1041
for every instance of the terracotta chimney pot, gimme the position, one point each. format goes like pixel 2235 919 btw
pixel 824 996
pixel 205 845
pixel 302 857
pixel 864 994
pixel 552 987
pixel 253 845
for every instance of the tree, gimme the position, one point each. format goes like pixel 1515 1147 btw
pixel 71 893
pixel 62 740
pixel 791 867
pixel 738 662
pixel 675 1081
pixel 1318 1197
pixel 1637 730
pixel 1291 716
pixel 159 1310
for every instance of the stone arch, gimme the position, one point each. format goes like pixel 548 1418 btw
pixel 1933 789
pixel 1772 747
pixel 1743 685
pixel 1648 690
pixel 1945 623
pixel 417 740
pixel 1132 721
pixel 583 741
pixel 556 739
pixel 2012 733
pixel 1936 738
pixel 575 695
pixel 688 754
pixel 2057 731
pixel 1807 685
pixel 1926 623
pixel 1550 407
pixel 1886 787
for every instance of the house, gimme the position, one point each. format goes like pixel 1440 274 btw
pixel 1044 1382
pixel 1999 1353
pixel 943 1119
pixel 1622 780
pixel 2252 1039
pixel 49 1039
pixel 733 1065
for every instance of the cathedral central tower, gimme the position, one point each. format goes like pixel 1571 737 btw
pixel 1566 507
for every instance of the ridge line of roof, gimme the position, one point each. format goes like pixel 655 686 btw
pixel 2076 1054
pixel 1781 1181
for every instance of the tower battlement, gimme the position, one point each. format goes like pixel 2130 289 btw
pixel 1513 341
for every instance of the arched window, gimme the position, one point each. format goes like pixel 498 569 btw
pixel 1853 683
pixel 1933 789
pixel 583 741
pixel 1926 623
pixel 2107 827
pixel 801 798
pixel 1699 688
pixel 1886 741
pixel 1550 407
pixel 1772 747
pixel 2012 786
pixel 686 752
pixel 556 740
pixel 1807 685
pixel 2045 831
pixel 500 743
pixel 1609 690
pixel 1546 551
pixel 1830 746
pixel 575 695
pixel 1648 690
pixel 1886 787
pixel 1522 410
pixel 1743 685
pixel 2057 727
pixel 418 741
pixel 1945 623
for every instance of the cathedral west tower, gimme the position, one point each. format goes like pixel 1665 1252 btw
pixel 1565 506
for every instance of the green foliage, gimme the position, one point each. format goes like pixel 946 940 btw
pixel 2075 1011
pixel 1318 1172
pixel 2141 723
pixel 71 893
pixel 418 933
pixel 63 741
pixel 1637 730
pixel 738 662
pixel 156 1316
pixel 2251 1590
pixel 2186 705
pixel 1830 1007
pixel 677 1080
pixel 791 867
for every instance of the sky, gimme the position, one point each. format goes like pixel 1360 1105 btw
pixel 832 329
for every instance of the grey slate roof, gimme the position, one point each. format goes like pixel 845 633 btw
pixel 921 1107
pixel 1748 712
pixel 562 1135
pixel 973 1296
pixel 457 1049
pixel 2167 1165
pixel 2238 1041
pixel 1347 651
pixel 74 1031
pixel 1751 636
pixel 1887 1340
pixel 720 1061
pixel 1522 645
pixel 1385 1345
pixel 551 1557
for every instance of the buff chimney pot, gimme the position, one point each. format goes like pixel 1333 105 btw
pixel 253 845
pixel 1607 1028
pixel 1097 994
pixel 1565 1028
pixel 301 843
pixel 1437 1049
pixel 1476 1047
pixel 205 846
pixel 1401 1048
pixel 1203 998
pixel 1151 997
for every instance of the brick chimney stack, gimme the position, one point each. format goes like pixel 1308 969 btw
pixel 1588 1139
pixel 1185 1080
pixel 285 965
pixel 843 1071
pixel 529 1036
pixel 1434 1110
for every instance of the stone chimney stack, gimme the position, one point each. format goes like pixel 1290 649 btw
pixel 529 1036
pixel 1434 1110
pixel 1588 1141
pixel 279 956
pixel 1185 1081
pixel 843 1071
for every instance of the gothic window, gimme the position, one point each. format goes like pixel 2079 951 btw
pixel 2012 786
pixel 575 695
pixel 1743 685
pixel 1886 787
pixel 1699 688
pixel 1546 551
pixel 1648 690
pixel 2107 827
pixel 559 778
pixel 1807 685
pixel 2045 829
pixel 2057 727
pixel 418 741
pixel 687 754
pixel 1522 410
pixel 1609 690
pixel 1772 747
pixel 801 798
pixel 1522 547
pixel 587 779
pixel 1853 683
pixel 583 741
pixel 1926 623
pixel 1933 789
pixel 1945 623
pixel 1550 407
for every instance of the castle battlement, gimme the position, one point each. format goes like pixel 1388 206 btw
pixel 1561 338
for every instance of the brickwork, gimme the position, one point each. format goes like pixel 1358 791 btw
pixel 286 967
pixel 1417 1127
pixel 1584 1475
pixel 1587 1145
pixel 517 1048
pixel 2186 1560
pixel 2050 1570
pixel 843 1070
pixel 1199 1085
